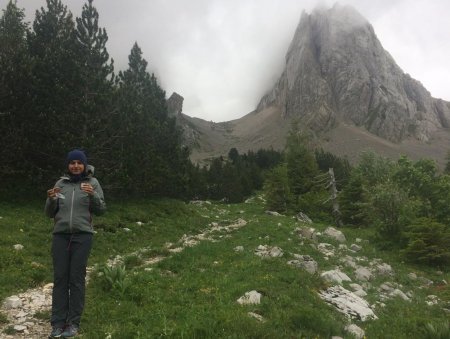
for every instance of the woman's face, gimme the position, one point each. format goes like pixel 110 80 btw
pixel 76 167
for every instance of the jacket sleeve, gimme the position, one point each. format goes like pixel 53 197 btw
pixel 98 205
pixel 51 205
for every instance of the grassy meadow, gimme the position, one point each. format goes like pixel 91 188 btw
pixel 193 293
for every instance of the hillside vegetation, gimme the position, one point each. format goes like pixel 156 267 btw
pixel 170 269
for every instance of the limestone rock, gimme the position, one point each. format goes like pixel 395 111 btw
pixel 355 248
pixel 348 303
pixel 363 274
pixel 432 300
pixel 335 234
pixel 304 262
pixel 356 331
pixel 257 316
pixel 326 249
pixel 383 269
pixel 335 276
pixel 175 105
pixel 276 214
pixel 307 233
pixel 348 261
pixel 302 217
pixel 266 251
pixel 19 328
pixel 412 276
pixel 250 298
pixel 12 302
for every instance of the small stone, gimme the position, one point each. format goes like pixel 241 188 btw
pixel 12 302
pixel 363 274
pixel 412 276
pixel 18 247
pixel 355 287
pixel 398 293
pixel 357 332
pixel 21 314
pixel 239 249
pixel 384 269
pixel 326 249
pixel 304 262
pixel 273 213
pixel 250 298
pixel 20 328
pixel 335 234
pixel 432 300
pixel 307 232
pixel 335 276
pixel 126 229
pixel 360 293
pixel 48 286
pixel 348 261
pixel 386 287
pixel 302 217
pixel 355 247
pixel 139 223
pixel 256 316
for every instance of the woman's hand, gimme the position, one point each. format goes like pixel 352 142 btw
pixel 87 188
pixel 52 193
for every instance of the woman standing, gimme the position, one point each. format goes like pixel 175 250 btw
pixel 71 203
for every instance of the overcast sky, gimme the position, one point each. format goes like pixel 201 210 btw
pixel 223 55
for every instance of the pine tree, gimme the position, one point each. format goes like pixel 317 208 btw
pixel 96 83
pixel 56 75
pixel 276 188
pixel 353 201
pixel 447 165
pixel 148 142
pixel 301 164
pixel 15 93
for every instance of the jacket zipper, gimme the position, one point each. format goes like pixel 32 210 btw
pixel 71 210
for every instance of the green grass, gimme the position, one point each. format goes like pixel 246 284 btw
pixel 193 294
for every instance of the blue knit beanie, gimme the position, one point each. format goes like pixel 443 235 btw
pixel 76 154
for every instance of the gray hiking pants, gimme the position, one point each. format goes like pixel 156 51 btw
pixel 70 254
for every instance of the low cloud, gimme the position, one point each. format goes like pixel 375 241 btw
pixel 223 55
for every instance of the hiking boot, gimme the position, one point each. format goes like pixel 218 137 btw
pixel 70 331
pixel 56 332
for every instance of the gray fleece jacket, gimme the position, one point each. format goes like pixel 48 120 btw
pixel 72 210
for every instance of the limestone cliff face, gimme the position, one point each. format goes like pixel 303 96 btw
pixel 175 110
pixel 337 70
pixel 175 105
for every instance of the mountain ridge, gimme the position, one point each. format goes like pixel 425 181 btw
pixel 337 79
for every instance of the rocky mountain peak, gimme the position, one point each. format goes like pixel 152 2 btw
pixel 175 105
pixel 337 71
